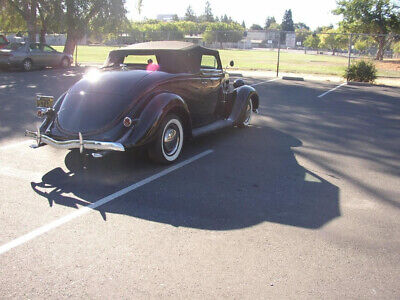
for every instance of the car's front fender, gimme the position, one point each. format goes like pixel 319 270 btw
pixel 152 115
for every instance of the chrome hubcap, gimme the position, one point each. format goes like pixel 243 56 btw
pixel 27 65
pixel 171 140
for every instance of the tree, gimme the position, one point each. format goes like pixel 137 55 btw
pixel 274 26
pixel 208 15
pixel 377 17
pixel 396 48
pixel 323 28
pixel 10 19
pixel 190 15
pixel 312 41
pixel 333 40
pixel 189 27
pixel 139 6
pixel 27 9
pixel 81 14
pixel 225 19
pixel 301 25
pixel 287 22
pixel 269 21
pixel 50 16
pixel 361 45
pixel 223 32
pixel 109 21
pixel 244 24
pixel 161 31
pixel 256 27
pixel 302 34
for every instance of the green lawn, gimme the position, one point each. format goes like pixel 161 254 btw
pixel 254 60
pixel 289 62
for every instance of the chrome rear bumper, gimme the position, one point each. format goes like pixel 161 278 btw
pixel 80 144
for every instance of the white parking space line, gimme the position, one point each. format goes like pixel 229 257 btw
pixel 258 83
pixel 50 226
pixel 330 91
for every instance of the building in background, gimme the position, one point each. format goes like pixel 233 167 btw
pixel 167 17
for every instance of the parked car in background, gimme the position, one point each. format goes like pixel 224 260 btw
pixel 27 56
pixel 154 95
pixel 3 41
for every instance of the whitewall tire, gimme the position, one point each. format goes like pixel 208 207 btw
pixel 169 140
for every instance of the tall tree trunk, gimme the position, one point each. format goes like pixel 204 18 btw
pixel 42 37
pixel 381 47
pixel 31 20
pixel 31 30
pixel 72 39
pixel 70 43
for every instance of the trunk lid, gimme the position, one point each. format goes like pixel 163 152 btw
pixel 99 99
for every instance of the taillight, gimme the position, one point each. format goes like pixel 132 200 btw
pixel 41 112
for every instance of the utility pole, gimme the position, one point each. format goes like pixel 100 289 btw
pixel 279 54
pixel 76 54
pixel 350 44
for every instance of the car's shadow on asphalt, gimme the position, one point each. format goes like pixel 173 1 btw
pixel 252 177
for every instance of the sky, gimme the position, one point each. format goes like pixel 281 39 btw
pixel 312 12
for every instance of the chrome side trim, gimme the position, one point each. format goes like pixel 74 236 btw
pixel 80 144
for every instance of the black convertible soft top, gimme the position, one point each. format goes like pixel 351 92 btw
pixel 172 56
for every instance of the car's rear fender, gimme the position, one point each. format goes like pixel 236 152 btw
pixel 241 95
pixel 152 115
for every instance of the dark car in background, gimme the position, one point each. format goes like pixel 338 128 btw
pixel 153 95
pixel 28 56
pixel 3 41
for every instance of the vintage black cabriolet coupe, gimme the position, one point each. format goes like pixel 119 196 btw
pixel 155 94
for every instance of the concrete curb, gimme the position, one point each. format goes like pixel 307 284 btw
pixel 293 78
pixel 355 83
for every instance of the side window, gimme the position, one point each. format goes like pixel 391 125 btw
pixel 34 48
pixel 209 62
pixel 47 48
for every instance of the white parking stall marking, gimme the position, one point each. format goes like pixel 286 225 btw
pixel 50 226
pixel 258 83
pixel 330 91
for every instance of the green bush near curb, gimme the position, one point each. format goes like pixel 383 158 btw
pixel 361 71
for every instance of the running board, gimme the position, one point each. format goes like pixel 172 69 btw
pixel 217 125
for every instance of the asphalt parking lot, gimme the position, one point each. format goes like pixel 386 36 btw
pixel 302 204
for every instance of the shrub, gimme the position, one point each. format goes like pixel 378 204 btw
pixel 361 71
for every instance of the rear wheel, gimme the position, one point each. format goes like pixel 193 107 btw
pixel 169 140
pixel 246 114
pixel 27 64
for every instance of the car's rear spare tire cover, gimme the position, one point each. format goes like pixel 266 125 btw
pixel 90 112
